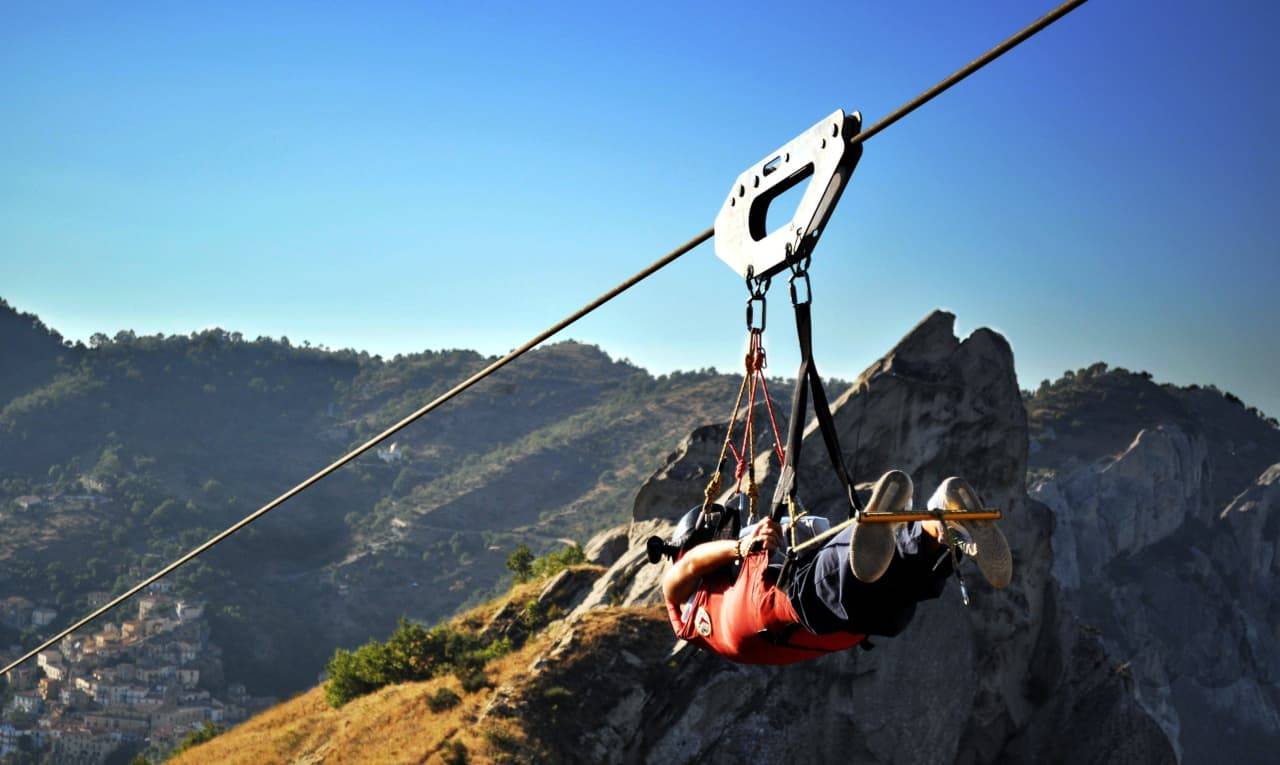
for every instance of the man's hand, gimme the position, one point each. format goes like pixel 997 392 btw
pixel 767 536
pixel 680 581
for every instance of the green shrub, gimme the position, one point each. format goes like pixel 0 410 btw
pixel 197 737
pixel 500 740
pixel 454 753
pixel 520 563
pixel 412 653
pixel 554 562
pixel 443 699
pixel 525 567
pixel 473 680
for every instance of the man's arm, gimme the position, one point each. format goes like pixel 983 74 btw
pixel 682 578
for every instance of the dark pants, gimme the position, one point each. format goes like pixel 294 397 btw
pixel 828 598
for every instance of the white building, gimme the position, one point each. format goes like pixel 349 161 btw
pixel 189 611
pixel 26 702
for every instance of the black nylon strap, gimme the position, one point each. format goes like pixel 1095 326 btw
pixel 808 381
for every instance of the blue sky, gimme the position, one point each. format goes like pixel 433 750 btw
pixel 401 176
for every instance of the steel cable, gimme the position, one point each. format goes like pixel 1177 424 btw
pixel 537 340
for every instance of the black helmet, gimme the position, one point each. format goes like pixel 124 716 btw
pixel 694 528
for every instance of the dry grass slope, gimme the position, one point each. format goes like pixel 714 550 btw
pixel 397 725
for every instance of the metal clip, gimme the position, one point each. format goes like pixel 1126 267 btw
pixel 954 544
pixel 798 278
pixel 751 324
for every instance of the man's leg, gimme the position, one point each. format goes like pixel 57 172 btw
pixel 872 544
pixel 985 542
pixel 829 598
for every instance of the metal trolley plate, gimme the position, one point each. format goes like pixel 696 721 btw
pixel 822 153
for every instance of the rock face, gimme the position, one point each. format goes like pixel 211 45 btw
pixel 1186 598
pixel 1125 504
pixel 1255 524
pixel 1013 677
pixel 678 485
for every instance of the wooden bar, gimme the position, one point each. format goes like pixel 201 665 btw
pixel 986 515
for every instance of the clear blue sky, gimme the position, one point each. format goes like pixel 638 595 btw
pixel 401 176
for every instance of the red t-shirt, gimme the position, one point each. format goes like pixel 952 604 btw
pixel 730 616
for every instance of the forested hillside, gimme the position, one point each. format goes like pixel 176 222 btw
pixel 1095 412
pixel 139 447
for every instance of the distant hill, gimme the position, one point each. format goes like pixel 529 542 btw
pixel 31 352
pixel 1095 412
pixel 177 436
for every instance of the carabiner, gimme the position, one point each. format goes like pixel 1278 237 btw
pixel 751 323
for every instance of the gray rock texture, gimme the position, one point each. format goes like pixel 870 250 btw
pixel 1183 597
pixel 1122 505
pixel 1013 678
pixel 605 548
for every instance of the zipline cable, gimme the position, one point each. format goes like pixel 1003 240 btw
pixel 537 340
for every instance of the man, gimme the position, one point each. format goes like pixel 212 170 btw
pixel 865 581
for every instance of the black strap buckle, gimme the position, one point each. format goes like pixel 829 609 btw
pixel 798 279
pixel 799 276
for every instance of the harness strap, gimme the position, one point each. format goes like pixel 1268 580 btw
pixel 809 383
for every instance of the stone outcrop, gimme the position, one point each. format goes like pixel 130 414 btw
pixel 605 548
pixel 1125 504
pixel 1255 525
pixel 1183 597
pixel 1012 676
pixel 678 485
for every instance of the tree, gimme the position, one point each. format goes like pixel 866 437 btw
pixel 197 737
pixel 404 482
pixel 520 562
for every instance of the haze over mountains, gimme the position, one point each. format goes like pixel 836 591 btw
pixel 1142 623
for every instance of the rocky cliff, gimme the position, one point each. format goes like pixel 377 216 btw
pixel 1189 602
pixel 1014 676
pixel 1140 626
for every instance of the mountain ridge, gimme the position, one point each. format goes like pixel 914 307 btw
pixel 555 448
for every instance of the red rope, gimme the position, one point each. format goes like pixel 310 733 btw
pixel 773 421
pixel 755 363
pixel 750 362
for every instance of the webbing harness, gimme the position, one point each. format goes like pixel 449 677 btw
pixel 808 386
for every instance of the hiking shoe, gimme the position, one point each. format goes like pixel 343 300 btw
pixel 984 541
pixel 871 546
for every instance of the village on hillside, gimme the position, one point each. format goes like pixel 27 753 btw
pixel 133 684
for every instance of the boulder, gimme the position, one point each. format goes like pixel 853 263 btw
pixel 605 548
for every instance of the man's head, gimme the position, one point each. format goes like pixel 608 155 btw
pixel 694 528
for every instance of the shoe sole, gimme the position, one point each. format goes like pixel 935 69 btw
pixel 871 545
pixel 992 554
